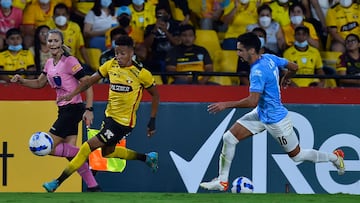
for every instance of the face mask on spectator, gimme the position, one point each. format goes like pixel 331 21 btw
pixel 301 44
pixel 345 3
pixel 262 42
pixel 296 20
pixel 265 21
pixel 44 1
pixel 60 20
pixel 283 1
pixel 244 1
pixel 105 3
pixel 138 2
pixel 15 47
pixel 6 3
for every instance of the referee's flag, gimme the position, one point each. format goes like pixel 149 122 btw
pixel 99 163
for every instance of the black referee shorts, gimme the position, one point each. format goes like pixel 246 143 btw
pixel 68 120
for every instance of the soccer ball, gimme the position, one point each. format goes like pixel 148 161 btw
pixel 242 185
pixel 41 143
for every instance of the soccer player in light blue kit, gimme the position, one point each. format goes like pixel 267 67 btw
pixel 268 113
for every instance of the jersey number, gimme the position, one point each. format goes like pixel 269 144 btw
pixel 282 140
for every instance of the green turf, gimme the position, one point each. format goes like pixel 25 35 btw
pixel 114 197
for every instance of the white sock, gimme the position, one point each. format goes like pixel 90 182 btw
pixel 314 156
pixel 227 155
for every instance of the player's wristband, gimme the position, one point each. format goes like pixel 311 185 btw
pixel 90 109
pixel 151 124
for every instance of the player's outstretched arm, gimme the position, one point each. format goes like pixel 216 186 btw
pixel 40 82
pixel 249 102
pixel 85 83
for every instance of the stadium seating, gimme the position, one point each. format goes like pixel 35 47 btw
pixel 208 39
pixel 94 57
pixel 329 59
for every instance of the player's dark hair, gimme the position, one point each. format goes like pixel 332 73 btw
pixel 302 28
pixel 186 27
pixel 117 31
pixel 250 40
pixel 125 41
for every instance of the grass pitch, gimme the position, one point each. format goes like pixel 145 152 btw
pixel 112 197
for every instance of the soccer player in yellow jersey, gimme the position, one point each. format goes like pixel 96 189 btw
pixel 127 82
pixel 306 57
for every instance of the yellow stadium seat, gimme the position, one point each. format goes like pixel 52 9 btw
pixel 176 13
pixel 228 63
pixel 329 58
pixel 158 79
pixel 94 57
pixel 208 39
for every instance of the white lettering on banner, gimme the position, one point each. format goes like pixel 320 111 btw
pixel 192 172
pixel 323 169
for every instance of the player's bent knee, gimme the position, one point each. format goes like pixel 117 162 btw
pixel 228 137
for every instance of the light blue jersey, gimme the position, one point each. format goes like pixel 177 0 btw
pixel 264 79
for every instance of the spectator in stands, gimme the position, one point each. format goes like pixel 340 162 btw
pixel 73 37
pixel 243 67
pixel 342 19
pixel 237 15
pixel 15 58
pixel 142 15
pixel 188 57
pixel 79 10
pixel 123 16
pixel 349 62
pixel 183 6
pixel 40 50
pixel 318 10
pixel 307 58
pixel 39 12
pixel 10 17
pixel 280 11
pixel 275 36
pixel 296 13
pixel 160 38
pixel 99 19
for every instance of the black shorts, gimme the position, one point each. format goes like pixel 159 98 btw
pixel 112 132
pixel 68 120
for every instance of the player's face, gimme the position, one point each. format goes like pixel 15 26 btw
pixel 187 37
pixel 242 52
pixel 123 55
pixel 54 43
